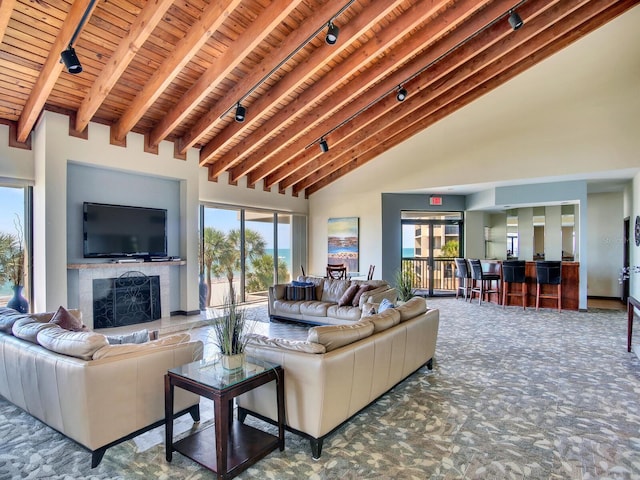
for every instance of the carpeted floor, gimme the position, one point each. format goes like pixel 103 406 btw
pixel 513 394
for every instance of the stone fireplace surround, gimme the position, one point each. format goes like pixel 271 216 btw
pixel 87 272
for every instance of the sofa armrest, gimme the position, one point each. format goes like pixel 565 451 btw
pixel 276 292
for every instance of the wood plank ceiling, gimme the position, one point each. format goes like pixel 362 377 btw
pixel 175 70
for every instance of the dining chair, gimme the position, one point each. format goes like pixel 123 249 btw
pixel 513 271
pixel 482 281
pixel 337 271
pixel 302 268
pixel 370 274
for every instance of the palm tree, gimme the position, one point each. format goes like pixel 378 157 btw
pixel 217 253
pixel 262 276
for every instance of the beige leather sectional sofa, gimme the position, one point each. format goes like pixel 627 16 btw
pixel 341 369
pixel 325 308
pixel 94 393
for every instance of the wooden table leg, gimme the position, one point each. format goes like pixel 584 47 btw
pixel 168 417
pixel 221 412
pixel 281 409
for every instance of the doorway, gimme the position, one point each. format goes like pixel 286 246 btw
pixel 430 243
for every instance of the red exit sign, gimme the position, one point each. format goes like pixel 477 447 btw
pixel 435 200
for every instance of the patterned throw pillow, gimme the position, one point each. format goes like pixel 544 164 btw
pixel 384 304
pixel 298 293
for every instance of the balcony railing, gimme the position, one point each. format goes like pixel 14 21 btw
pixel 443 273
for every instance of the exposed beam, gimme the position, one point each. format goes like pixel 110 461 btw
pixel 210 20
pixel 259 29
pixel 51 69
pixel 140 30
pixel 359 25
pixel 280 54
pixel 561 34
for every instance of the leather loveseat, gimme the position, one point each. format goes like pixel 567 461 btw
pixel 95 393
pixel 341 369
pixel 326 300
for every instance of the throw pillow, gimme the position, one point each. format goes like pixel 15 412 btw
pixel 347 296
pixel 384 304
pixel 356 297
pixel 64 319
pixel 141 336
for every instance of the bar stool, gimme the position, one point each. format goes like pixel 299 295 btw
pixel 464 277
pixel 513 271
pixel 549 273
pixel 482 281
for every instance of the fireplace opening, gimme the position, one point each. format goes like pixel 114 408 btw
pixel 131 298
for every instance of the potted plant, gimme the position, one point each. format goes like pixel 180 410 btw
pixel 231 331
pixel 404 284
pixel 12 267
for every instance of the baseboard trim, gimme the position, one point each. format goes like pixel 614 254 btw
pixel 185 313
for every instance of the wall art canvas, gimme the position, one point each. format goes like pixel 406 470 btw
pixel 343 242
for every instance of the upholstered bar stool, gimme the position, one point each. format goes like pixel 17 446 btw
pixel 464 278
pixel 482 281
pixel 513 271
pixel 549 273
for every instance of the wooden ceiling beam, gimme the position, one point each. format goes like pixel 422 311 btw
pixel 258 30
pixel 552 40
pixel 281 165
pixel 6 7
pixel 305 104
pixel 357 26
pixel 289 44
pixel 51 69
pixel 139 32
pixel 211 19
pixel 472 53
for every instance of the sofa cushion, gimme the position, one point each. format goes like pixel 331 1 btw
pixel 334 289
pixel 295 345
pixel 336 336
pixel 317 281
pixel 344 313
pixel 347 296
pixel 284 307
pixel 8 316
pixel 65 319
pixel 412 308
pixel 314 309
pixel 124 348
pixel 76 344
pixel 384 320
pixel 27 329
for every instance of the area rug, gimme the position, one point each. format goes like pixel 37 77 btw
pixel 513 394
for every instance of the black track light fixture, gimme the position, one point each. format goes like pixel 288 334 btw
pixel 332 34
pixel 401 94
pixel 324 146
pixel 514 20
pixel 71 60
pixel 241 113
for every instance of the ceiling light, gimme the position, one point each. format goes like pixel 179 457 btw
pixel 324 146
pixel 71 61
pixel 332 34
pixel 402 93
pixel 515 21
pixel 241 112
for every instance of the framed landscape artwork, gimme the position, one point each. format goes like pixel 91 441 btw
pixel 343 242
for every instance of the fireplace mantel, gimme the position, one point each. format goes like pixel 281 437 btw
pixel 83 274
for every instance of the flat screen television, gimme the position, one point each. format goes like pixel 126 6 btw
pixel 112 231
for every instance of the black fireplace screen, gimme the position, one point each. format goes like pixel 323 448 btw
pixel 128 299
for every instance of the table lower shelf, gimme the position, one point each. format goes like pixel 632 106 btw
pixel 246 446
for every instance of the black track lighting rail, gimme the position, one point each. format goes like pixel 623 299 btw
pixel 68 56
pixel 288 57
pixel 396 90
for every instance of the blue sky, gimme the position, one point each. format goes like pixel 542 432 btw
pixel 12 201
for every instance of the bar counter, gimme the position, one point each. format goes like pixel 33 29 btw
pixel 570 286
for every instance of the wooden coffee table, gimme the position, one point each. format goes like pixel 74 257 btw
pixel 230 446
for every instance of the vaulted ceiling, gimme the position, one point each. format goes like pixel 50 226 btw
pixel 176 70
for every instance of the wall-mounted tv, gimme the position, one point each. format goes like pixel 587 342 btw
pixel 112 231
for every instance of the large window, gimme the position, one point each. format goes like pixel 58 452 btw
pixel 247 249
pixel 15 228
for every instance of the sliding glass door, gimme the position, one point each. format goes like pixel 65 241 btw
pixel 15 242
pixel 247 249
